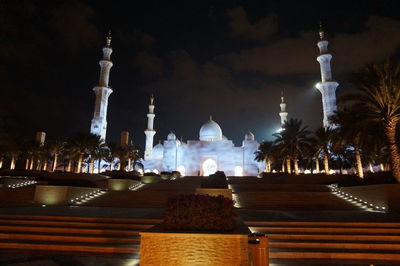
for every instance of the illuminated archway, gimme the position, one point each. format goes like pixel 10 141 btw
pixel 181 169
pixel 209 167
pixel 238 171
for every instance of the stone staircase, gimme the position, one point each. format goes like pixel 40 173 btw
pixel 112 236
pixel 305 243
pixel 290 243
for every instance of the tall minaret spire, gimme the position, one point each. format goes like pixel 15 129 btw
pixel 102 91
pixel 283 114
pixel 149 132
pixel 327 86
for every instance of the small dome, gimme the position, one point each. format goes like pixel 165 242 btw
pixel 210 131
pixel 171 136
pixel 158 151
pixel 249 136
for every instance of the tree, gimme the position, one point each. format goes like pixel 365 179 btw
pixel 80 145
pixel 264 153
pixel 95 148
pixel 377 97
pixel 112 154
pixel 292 140
pixel 321 142
pixel 55 148
pixel 351 127
pixel 134 157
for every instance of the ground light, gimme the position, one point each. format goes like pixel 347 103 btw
pixel 364 204
pixel 87 197
pixel 136 186
pixel 22 184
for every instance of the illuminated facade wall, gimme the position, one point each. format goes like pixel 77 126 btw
pixel 190 156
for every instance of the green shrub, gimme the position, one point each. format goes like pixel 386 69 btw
pixel 199 213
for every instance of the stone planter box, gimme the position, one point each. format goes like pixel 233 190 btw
pixel 121 184
pixel 59 195
pixel 148 179
pixel 226 192
pixel 194 248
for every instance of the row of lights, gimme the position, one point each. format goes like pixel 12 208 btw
pixel 355 200
pixel 22 184
pixel 88 196
pixel 136 186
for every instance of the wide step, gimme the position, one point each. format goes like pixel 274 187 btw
pixel 331 241
pixel 69 248
pixel 70 235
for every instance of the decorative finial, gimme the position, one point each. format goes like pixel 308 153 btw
pixel 321 32
pixel 282 98
pixel 210 117
pixel 108 38
pixel 152 99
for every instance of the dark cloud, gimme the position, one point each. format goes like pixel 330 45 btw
pixel 149 64
pixel 198 60
pixel 73 26
pixel 147 40
pixel 296 55
pixel 241 27
pixel 192 91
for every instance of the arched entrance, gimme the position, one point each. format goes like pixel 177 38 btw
pixel 209 167
pixel 238 171
pixel 181 169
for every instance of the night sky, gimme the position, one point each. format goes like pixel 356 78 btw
pixel 228 59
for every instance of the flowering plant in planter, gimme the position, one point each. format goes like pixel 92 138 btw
pixel 199 213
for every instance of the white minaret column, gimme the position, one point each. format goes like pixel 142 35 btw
pixel 327 86
pixel 149 132
pixel 283 114
pixel 102 91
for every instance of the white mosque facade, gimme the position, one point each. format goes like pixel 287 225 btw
pixel 212 152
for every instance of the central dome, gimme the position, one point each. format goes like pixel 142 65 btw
pixel 210 131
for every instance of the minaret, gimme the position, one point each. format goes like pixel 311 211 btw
pixel 283 114
pixel 102 91
pixel 149 132
pixel 327 86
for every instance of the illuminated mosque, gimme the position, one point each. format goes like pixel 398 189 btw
pixel 212 151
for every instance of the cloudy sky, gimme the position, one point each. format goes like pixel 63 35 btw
pixel 228 59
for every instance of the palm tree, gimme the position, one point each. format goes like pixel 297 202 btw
pixel 111 155
pixel 321 142
pixel 95 147
pixel 377 98
pixel 291 141
pixel 68 155
pixel 350 131
pixel 80 145
pixel 264 153
pixel 134 157
pixel 55 148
